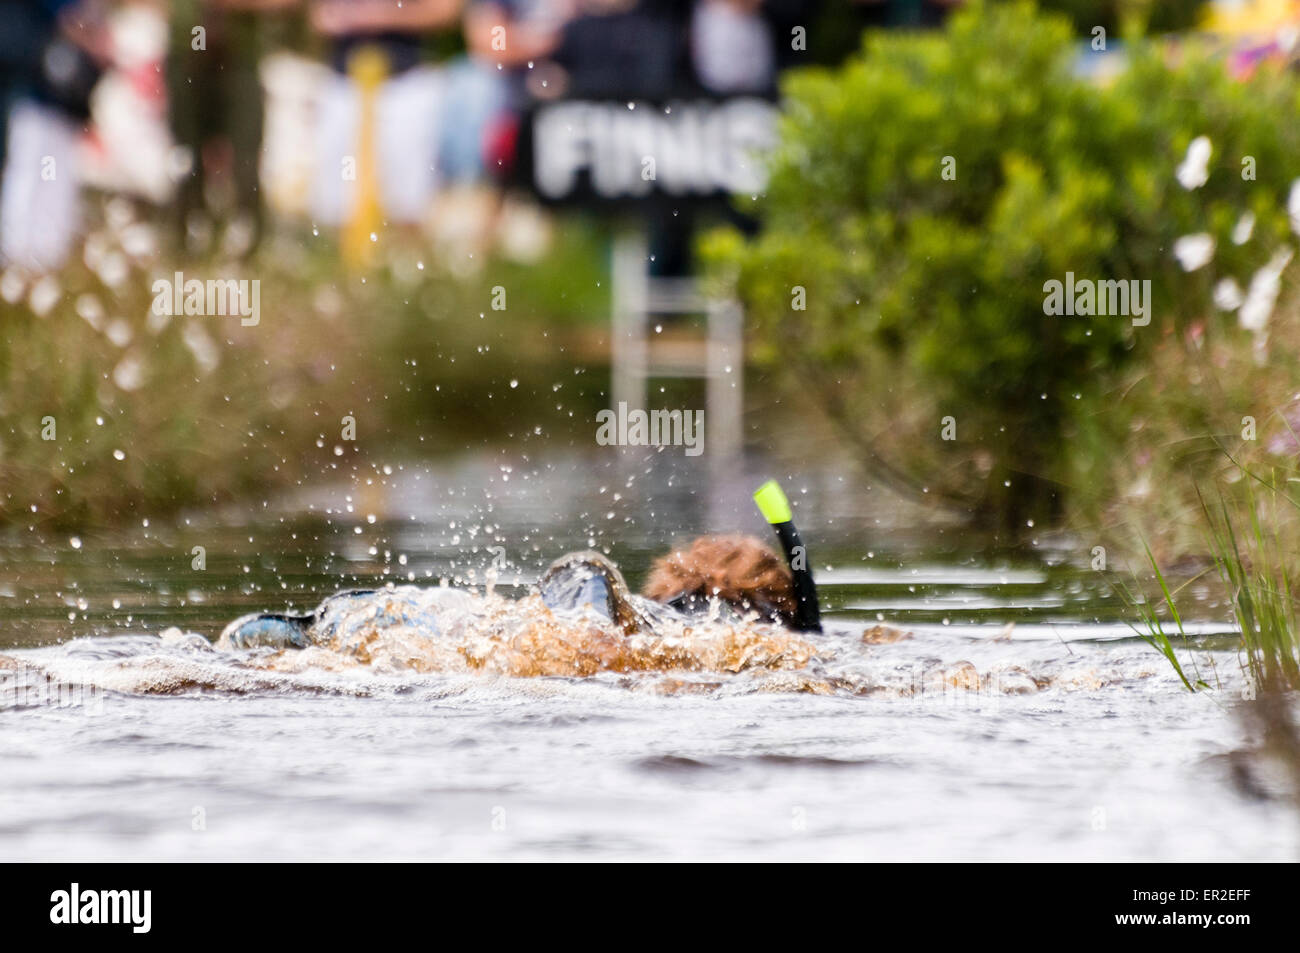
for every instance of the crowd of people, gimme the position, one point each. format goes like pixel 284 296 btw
pixel 221 108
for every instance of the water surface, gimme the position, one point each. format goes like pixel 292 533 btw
pixel 1020 719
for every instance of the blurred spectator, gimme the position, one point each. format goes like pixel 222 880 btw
pixel 623 49
pixel 216 109
pixel 506 39
pixel 130 148
pixel 408 113
pixel 732 46
pixel 50 52
pixel 398 27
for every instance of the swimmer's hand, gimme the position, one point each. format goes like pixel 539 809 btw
pixel 583 579
pixel 267 630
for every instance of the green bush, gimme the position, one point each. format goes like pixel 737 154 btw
pixel 925 294
pixel 1115 15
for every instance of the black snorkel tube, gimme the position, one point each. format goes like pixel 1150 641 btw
pixel 774 506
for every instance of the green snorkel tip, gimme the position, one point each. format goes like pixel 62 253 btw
pixel 772 503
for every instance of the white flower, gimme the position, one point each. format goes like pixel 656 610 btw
pixel 1293 206
pixel 1194 171
pixel 1227 295
pixel 1244 228
pixel 91 311
pixel 113 269
pixel 129 373
pixel 139 240
pixel 119 332
pixel 45 294
pixel 206 355
pixel 1194 251
pixel 12 286
pixel 1262 296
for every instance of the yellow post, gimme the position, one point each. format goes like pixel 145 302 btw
pixel 368 67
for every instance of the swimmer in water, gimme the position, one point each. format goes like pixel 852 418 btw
pixel 737 575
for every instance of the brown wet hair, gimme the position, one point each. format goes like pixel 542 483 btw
pixel 739 570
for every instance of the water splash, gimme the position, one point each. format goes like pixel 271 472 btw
pixel 451 630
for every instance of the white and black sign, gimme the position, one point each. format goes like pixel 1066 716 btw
pixel 583 150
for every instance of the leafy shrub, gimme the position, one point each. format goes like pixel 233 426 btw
pixel 925 295
pixel 1155 15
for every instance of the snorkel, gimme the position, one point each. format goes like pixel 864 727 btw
pixel 774 506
